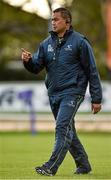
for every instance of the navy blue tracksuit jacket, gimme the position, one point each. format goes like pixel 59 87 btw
pixel 69 65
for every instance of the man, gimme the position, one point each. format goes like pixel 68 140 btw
pixel 70 66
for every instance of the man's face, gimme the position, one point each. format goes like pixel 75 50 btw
pixel 59 24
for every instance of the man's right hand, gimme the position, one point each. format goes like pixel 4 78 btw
pixel 26 55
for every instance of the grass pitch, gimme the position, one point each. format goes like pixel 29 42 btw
pixel 20 153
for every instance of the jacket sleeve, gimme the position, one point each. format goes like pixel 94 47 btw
pixel 36 63
pixel 88 63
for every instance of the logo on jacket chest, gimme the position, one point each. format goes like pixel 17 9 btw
pixel 50 48
pixel 68 47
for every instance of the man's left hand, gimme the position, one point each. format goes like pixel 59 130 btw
pixel 96 108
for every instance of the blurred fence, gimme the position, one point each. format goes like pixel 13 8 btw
pixel 25 105
pixel 20 97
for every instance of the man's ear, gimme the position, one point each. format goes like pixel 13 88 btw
pixel 67 21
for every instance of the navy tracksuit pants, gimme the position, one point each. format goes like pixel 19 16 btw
pixel 64 108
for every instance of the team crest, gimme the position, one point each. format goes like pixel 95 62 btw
pixel 68 47
pixel 50 48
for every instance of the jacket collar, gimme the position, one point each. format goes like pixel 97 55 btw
pixel 65 37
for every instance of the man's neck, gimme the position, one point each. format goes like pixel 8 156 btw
pixel 61 34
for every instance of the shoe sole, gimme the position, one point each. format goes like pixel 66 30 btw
pixel 42 172
pixel 89 172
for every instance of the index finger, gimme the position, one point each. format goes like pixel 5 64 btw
pixel 23 50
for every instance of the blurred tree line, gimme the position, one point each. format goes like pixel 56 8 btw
pixel 21 29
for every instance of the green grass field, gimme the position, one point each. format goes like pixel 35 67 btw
pixel 21 152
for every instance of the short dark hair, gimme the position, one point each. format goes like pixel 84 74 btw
pixel 65 13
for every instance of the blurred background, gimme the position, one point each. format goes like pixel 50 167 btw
pixel 24 102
